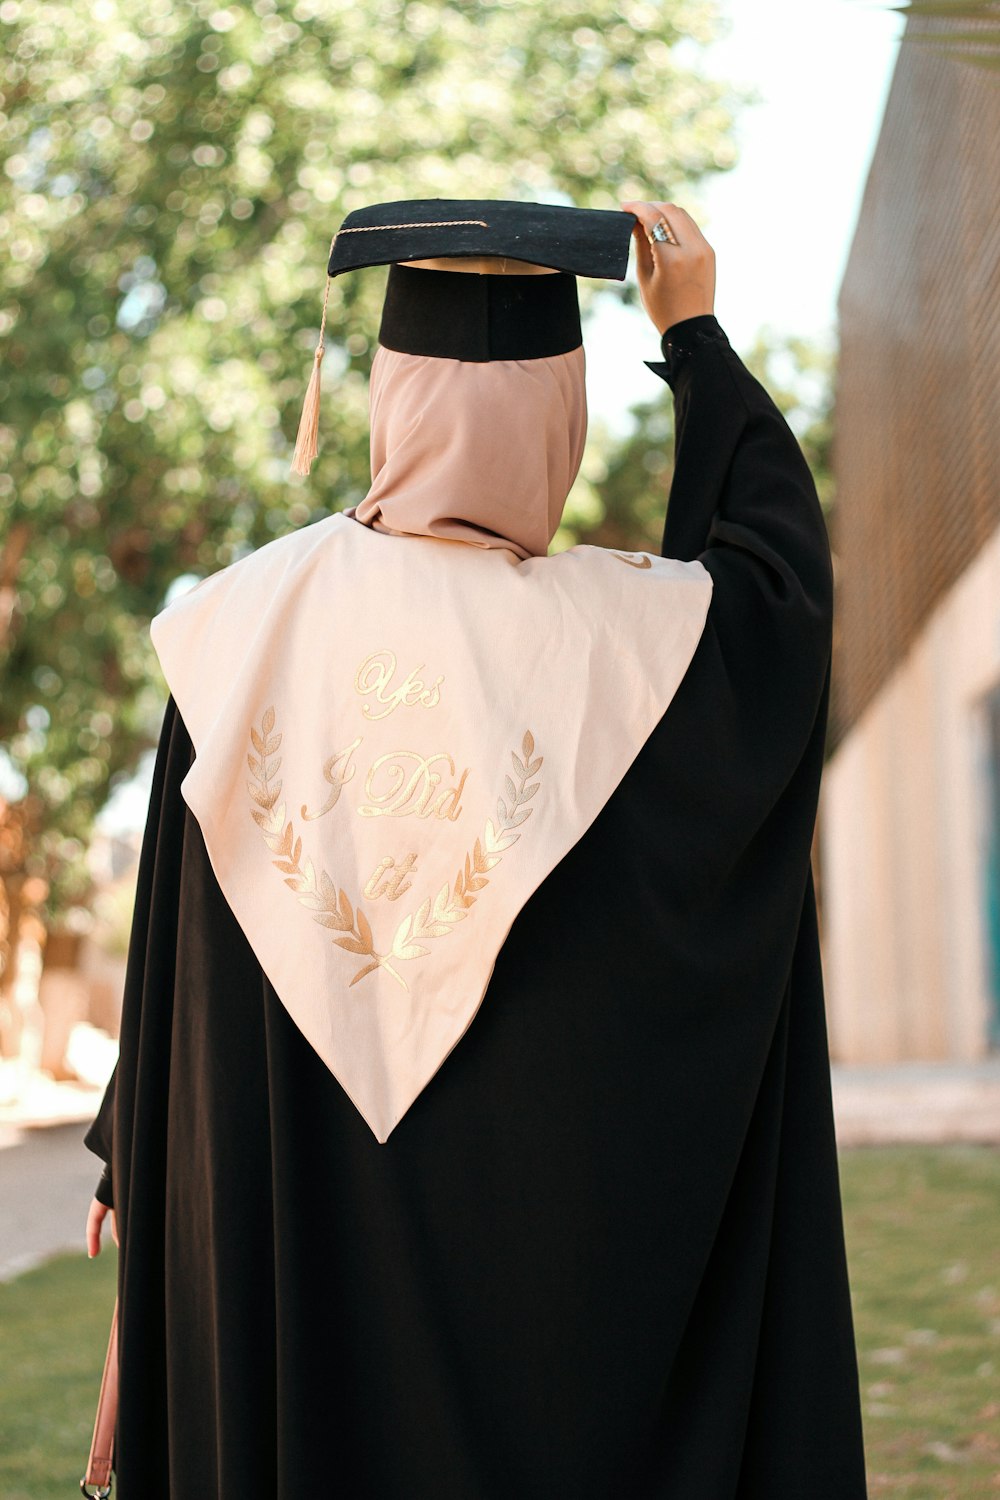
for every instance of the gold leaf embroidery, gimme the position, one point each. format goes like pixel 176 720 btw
pixel 330 905
pixel 645 563
pixel 452 905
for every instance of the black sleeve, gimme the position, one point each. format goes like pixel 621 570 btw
pixel 104 1193
pixel 743 502
pixel 99 1137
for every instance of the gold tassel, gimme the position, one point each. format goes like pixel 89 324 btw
pixel 306 446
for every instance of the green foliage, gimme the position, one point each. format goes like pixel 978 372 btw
pixel 620 499
pixel 799 375
pixel 169 199
pixel 978 43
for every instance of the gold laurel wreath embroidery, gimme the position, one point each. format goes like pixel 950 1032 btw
pixel 451 904
pixel 330 905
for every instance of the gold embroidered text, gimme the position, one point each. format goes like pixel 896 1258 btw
pixel 337 779
pixel 374 676
pixel 330 905
pixel 417 793
pixel 382 882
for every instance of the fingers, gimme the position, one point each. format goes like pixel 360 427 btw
pixel 685 230
pixel 95 1218
pixel 643 249
pixel 650 211
pixel 676 276
pixel 646 213
pixel 650 214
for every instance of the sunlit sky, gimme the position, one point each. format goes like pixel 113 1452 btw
pixel 780 222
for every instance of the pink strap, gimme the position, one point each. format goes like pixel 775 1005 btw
pixel 102 1443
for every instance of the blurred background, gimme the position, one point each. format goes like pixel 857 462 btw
pixel 167 201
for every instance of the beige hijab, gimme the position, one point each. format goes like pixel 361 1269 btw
pixel 508 434
pixel 404 716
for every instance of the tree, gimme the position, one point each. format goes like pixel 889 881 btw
pixel 967 30
pixel 168 204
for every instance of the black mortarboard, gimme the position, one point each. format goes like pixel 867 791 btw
pixel 583 241
pixel 461 315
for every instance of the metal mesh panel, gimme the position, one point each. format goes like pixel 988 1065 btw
pixel 917 415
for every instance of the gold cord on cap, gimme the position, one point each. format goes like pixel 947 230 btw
pixel 306 440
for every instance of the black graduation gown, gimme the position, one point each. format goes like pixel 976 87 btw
pixel 602 1254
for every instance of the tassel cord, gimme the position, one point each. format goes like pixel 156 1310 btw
pixel 307 437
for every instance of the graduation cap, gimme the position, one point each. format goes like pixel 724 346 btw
pixel 526 309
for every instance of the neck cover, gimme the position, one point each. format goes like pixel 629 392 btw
pixel 484 453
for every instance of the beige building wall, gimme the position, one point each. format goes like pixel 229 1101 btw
pixel 906 797
pixel 905 806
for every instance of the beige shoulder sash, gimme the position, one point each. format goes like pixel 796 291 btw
pixel 397 739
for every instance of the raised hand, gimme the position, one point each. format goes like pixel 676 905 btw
pixel 675 281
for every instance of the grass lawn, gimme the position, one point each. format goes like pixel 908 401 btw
pixel 923 1241
pixel 923 1238
pixel 54 1326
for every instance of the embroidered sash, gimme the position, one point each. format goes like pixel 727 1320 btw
pixel 397 739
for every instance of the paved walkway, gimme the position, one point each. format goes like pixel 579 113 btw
pixel 918 1102
pixel 47 1175
pixel 47 1179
